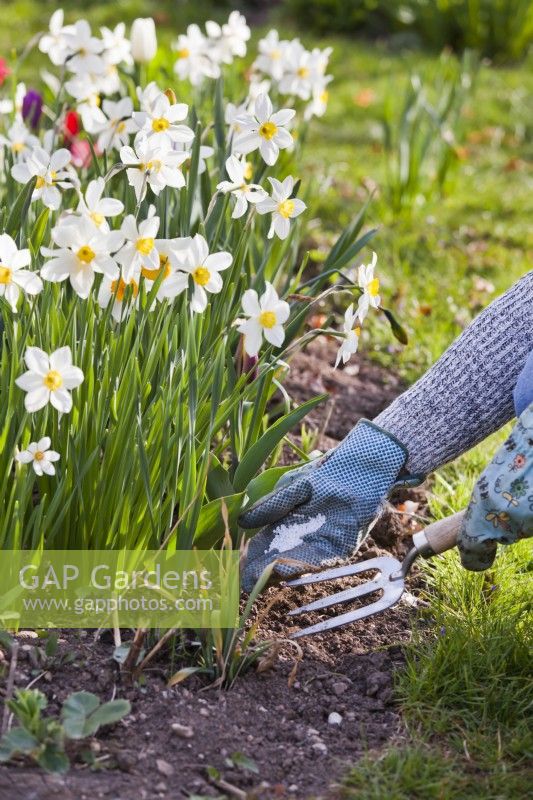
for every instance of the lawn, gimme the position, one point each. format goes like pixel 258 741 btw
pixel 466 691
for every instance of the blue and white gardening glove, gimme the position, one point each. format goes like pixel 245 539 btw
pixel 501 506
pixel 324 510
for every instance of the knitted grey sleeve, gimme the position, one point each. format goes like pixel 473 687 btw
pixel 468 393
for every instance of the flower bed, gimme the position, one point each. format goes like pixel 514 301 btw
pixel 151 282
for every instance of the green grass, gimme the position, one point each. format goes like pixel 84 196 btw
pixel 430 262
pixel 420 772
pixel 467 691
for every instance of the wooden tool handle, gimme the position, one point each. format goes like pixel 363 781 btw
pixel 439 536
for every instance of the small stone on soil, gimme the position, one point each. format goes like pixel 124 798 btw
pixel 334 718
pixel 339 688
pixel 184 731
pixel 164 768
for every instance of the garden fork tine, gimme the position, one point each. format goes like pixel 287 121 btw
pixel 436 538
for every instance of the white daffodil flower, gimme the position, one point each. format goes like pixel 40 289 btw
pixel 267 314
pixel 54 43
pixel 239 172
pixel 282 206
pixel 82 250
pixel 318 104
pixel 84 49
pixel 228 40
pixel 301 71
pixel 50 173
pixel 139 249
pixel 203 268
pixel 49 379
pixel 161 123
pixel 117 291
pixel 117 47
pixel 39 456
pixel 264 130
pixel 96 208
pixel 118 124
pixel 173 281
pixel 370 286
pixel 193 61
pixel 272 55
pixel 156 166
pixel 236 33
pixel 351 332
pixel 19 140
pixel 13 276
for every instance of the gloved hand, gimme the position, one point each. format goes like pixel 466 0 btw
pixel 501 507
pixel 322 512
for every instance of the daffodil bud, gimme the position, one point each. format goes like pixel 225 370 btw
pixel 171 94
pixel 143 40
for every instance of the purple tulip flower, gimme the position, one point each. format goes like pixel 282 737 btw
pixel 32 106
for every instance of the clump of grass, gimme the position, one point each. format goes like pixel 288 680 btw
pixel 420 772
pixel 470 675
pixel 466 692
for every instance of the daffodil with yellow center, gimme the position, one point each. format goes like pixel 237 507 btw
pixel 266 316
pixel 18 147
pixel 201 276
pixel 164 267
pixel 5 274
pixel 86 254
pixel 160 124
pixel 53 380
pixel 303 72
pixel 373 287
pixel 370 288
pixel 39 455
pixel 183 53
pixel 267 319
pixel 286 208
pixel 267 130
pixel 49 379
pixel 40 182
pixel 144 245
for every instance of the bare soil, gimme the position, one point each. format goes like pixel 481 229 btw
pixel 278 718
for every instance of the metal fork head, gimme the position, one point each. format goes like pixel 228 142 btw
pixel 389 581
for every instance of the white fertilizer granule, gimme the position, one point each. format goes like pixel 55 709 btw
pixel 288 536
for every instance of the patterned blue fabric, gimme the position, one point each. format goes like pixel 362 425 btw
pixel 501 507
pixel 322 513
pixel 523 391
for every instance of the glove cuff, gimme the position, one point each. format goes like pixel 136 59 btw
pixel 383 432
pixel 404 479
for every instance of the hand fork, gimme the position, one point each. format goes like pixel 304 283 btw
pixel 390 580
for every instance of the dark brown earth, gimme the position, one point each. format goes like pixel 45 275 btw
pixel 278 720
